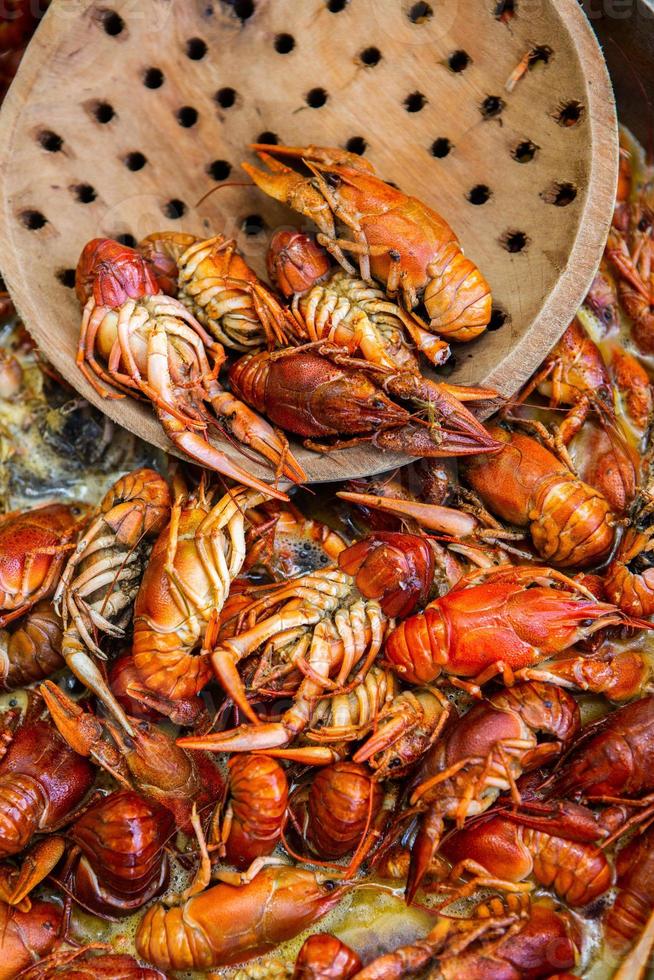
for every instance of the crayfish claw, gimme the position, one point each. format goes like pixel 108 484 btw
pixel 327 155
pixel 434 517
pixel 203 452
pixel 245 738
pixel 80 728
pixel 423 850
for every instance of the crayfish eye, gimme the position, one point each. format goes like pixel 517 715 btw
pixel 643 224
pixel 330 885
pixel 377 403
pixel 333 180
pixel 394 763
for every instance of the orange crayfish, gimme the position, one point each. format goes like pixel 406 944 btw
pixel 498 620
pixel 119 862
pixel 214 282
pixel 398 239
pixel 324 957
pixel 629 580
pixel 42 780
pixel 570 522
pixel 485 751
pixel 255 812
pixel 228 923
pixel 328 304
pixel 33 548
pixel 555 843
pixel 148 761
pixel 628 915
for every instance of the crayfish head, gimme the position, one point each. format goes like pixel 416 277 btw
pixel 155 762
pixel 295 262
pixel 162 250
pixel 83 731
pixel 396 569
pixel 112 273
pixel 292 189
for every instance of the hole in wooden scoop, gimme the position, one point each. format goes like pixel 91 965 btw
pixel 560 193
pixel 33 219
pixel 415 102
pixel 514 241
pixel 153 78
pixel 219 169
pixel 441 147
pixel 284 43
pixel 196 48
pixel 524 151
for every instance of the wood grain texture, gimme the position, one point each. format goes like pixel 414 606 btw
pixel 84 82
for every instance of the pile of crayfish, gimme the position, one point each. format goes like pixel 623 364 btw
pixel 400 728
pixel 325 354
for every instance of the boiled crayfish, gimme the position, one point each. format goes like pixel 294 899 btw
pixel 154 348
pixel 462 774
pixel 215 283
pixel 398 239
pixel 320 391
pixel 345 310
pixel 570 523
pixel 494 621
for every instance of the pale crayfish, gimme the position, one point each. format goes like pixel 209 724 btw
pixel 347 311
pixel 318 623
pixel 218 287
pixel 99 583
pixel 154 348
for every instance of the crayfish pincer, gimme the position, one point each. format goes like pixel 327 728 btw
pixel 320 391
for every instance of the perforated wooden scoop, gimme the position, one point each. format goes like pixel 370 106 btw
pixel 498 114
